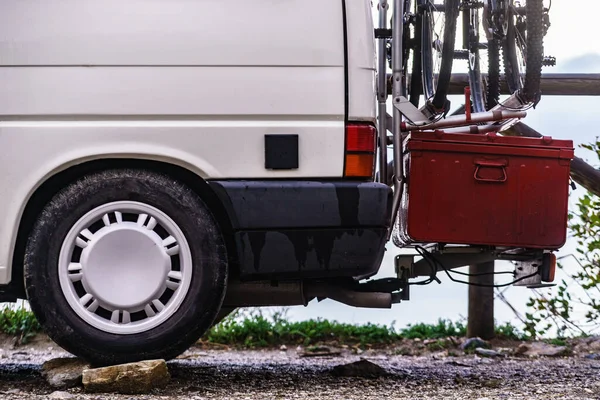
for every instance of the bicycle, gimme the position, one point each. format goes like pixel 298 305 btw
pixel 517 28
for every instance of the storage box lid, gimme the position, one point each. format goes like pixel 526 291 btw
pixel 542 147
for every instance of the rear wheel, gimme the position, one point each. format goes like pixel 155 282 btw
pixel 438 34
pixel 523 48
pixel 125 265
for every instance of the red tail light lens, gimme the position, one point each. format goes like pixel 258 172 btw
pixel 360 151
pixel 360 138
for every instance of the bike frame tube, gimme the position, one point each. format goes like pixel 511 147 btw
pixel 382 95
pixel 397 79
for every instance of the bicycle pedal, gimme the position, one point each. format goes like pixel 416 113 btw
pixel 549 61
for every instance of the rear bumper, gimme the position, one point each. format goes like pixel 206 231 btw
pixel 301 229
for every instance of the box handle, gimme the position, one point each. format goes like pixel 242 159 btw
pixel 490 164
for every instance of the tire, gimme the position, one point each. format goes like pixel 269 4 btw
pixel 532 52
pixel 141 259
pixel 437 92
pixel 493 86
pixel 416 80
pixel 478 92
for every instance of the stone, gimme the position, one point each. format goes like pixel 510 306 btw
pixel 362 368
pixel 63 373
pixel 541 349
pixel 319 351
pixel 132 378
pixel 60 395
pixel 473 343
pixel 487 352
pixel 283 347
pixel 522 349
pixel 593 356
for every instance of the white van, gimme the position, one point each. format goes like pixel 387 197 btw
pixel 157 153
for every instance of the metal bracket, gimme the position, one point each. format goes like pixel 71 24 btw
pixel 409 111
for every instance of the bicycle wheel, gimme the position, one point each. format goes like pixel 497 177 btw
pixel 471 29
pixel 416 81
pixel 493 83
pixel 523 48
pixel 438 35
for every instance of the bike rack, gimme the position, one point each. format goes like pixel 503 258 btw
pixel 406 117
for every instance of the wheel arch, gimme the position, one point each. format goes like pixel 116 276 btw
pixel 55 182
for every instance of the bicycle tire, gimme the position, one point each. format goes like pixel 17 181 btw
pixel 478 93
pixel 437 92
pixel 493 84
pixel 416 81
pixel 533 50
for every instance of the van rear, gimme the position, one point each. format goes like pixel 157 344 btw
pixel 160 151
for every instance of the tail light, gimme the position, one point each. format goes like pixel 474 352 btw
pixel 360 151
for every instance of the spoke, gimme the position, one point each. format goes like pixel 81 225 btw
pixel 149 311
pixel 172 285
pixel 151 224
pixel 126 317
pixel 145 220
pixel 85 299
pixel 173 250
pixel 175 275
pixel 87 234
pixel 158 305
pixel 81 243
pixel 141 221
pixel 74 267
pixel 171 246
pixel 106 220
pixel 93 307
pixel 75 277
pixel 169 241
pixel 114 318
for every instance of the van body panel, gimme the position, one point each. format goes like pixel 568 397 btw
pixel 362 61
pixel 191 83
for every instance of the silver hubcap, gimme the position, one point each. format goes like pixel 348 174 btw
pixel 125 267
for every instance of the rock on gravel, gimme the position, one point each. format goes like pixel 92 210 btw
pixel 132 378
pixel 487 352
pixel 540 349
pixel 60 396
pixel 473 343
pixel 362 368
pixel 63 373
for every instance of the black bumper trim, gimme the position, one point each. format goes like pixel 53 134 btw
pixel 302 254
pixel 307 229
pixel 304 204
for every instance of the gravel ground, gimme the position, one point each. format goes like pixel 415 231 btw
pixel 224 374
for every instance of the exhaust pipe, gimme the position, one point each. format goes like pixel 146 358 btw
pixel 255 294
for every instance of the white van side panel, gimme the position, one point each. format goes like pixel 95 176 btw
pixel 194 82
pixel 361 61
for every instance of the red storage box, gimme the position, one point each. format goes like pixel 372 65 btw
pixel 485 190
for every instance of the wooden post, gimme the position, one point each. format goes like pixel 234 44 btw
pixel 481 302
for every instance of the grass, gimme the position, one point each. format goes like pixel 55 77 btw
pixel 257 330
pixel 254 329
pixel 19 322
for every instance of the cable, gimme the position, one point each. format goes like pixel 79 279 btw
pixel 483 273
pixel 434 262
pixel 433 267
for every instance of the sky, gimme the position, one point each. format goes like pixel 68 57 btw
pixel 571 40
